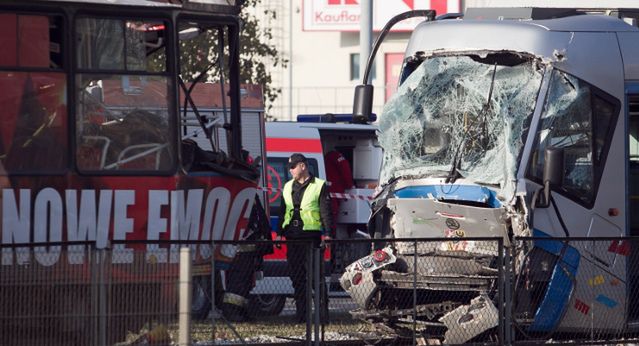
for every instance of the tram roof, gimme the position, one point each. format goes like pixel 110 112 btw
pixel 214 6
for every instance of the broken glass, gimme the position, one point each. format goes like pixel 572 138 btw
pixel 465 114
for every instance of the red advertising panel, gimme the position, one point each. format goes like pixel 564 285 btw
pixel 393 66
pixel 343 15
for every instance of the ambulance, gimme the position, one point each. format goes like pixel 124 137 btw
pixel 345 154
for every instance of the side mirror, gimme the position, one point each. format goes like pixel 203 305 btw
pixel 553 173
pixel 363 102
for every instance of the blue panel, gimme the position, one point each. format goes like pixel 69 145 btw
pixel 561 283
pixel 472 193
pixel 552 246
pixel 220 265
pixel 555 301
pixel 632 88
pixel 275 222
pixel 571 256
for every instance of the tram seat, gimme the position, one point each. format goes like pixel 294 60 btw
pixel 144 156
pixel 92 151
pixel 88 157
pixel 195 159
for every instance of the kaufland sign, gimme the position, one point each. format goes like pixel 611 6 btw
pixel 343 15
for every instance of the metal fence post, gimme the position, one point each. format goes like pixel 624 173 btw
pixel 414 292
pixel 95 294
pixel 309 287
pixel 101 291
pixel 213 283
pixel 507 301
pixel 184 334
pixel 500 290
pixel 316 293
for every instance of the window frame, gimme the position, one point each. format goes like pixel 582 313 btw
pixel 168 74
pixel 231 27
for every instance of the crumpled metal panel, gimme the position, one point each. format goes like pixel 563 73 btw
pixel 468 321
pixel 429 218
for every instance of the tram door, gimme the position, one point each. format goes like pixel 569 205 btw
pixel 633 201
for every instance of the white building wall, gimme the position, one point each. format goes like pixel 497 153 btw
pixel 321 71
pixel 317 79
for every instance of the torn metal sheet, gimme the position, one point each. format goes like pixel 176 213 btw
pixel 468 321
pixel 358 278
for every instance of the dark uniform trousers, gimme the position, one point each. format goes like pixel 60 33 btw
pixel 300 261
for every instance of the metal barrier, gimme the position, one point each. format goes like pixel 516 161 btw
pixel 416 291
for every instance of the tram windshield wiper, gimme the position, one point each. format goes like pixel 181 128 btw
pixel 486 108
pixel 454 173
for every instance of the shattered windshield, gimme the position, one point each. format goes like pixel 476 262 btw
pixel 461 116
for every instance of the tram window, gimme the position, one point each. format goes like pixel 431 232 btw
pixel 31 40
pixel 633 162
pixel 578 118
pixel 120 130
pixel 633 132
pixel 33 126
pixel 123 120
pixel 200 45
pixel 115 44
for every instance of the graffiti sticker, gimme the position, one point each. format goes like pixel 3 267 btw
pixel 274 183
pixel 452 223
pixel 609 302
pixel 596 281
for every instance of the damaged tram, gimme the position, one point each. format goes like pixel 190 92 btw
pixel 523 125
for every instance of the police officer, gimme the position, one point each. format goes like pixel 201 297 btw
pixel 305 215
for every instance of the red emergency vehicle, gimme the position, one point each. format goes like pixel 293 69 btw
pixel 98 118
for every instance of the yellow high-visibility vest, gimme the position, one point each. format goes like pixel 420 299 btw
pixel 309 207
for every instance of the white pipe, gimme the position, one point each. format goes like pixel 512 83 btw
pixel 290 60
pixel 365 36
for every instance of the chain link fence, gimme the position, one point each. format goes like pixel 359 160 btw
pixel 75 294
pixel 417 291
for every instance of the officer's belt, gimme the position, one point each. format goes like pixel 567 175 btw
pixel 246 248
pixel 295 223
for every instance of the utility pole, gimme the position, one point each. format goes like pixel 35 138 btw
pixel 365 34
pixel 290 60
